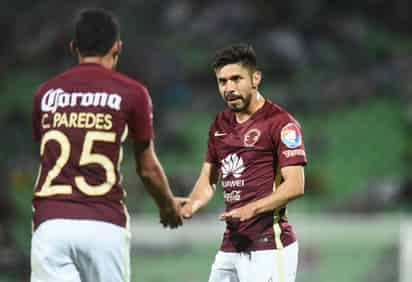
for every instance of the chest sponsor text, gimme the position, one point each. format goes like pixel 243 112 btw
pixel 54 99
pixel 232 196
pixel 233 183
pixel 294 153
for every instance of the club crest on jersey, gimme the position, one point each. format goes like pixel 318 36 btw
pixel 251 137
pixel 290 135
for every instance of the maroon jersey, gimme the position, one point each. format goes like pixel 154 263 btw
pixel 81 118
pixel 249 156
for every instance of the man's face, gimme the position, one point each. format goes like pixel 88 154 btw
pixel 236 85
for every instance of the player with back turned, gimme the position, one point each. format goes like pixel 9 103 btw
pixel 256 149
pixel 81 117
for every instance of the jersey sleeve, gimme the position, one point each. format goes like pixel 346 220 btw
pixel 288 142
pixel 211 156
pixel 36 117
pixel 140 120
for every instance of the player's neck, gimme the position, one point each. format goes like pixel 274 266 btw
pixel 105 61
pixel 255 105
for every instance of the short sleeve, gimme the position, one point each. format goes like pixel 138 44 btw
pixel 211 156
pixel 288 140
pixel 140 120
pixel 36 117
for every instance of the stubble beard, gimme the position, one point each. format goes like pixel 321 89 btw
pixel 241 107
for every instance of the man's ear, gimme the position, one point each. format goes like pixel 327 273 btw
pixel 117 47
pixel 256 78
pixel 73 48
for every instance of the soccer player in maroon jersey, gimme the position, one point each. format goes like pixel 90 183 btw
pixel 81 118
pixel 256 149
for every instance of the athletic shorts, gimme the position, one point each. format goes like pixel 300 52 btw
pixel 80 251
pixel 256 266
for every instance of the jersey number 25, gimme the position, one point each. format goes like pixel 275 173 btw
pixel 86 158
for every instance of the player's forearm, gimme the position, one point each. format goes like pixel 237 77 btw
pixel 200 196
pixel 286 192
pixel 204 187
pixel 155 182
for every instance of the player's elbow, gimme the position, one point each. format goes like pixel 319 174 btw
pixel 299 191
pixel 295 190
pixel 148 171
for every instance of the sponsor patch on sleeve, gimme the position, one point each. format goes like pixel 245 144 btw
pixel 291 136
pixel 294 153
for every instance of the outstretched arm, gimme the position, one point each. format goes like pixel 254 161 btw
pixel 291 188
pixel 155 181
pixel 202 191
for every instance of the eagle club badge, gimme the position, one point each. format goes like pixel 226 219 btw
pixel 291 136
pixel 251 137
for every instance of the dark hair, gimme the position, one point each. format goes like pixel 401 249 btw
pixel 96 30
pixel 235 54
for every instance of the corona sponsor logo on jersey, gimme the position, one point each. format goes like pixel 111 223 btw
pixel 58 98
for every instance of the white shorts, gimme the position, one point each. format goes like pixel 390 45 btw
pixel 80 251
pixel 257 266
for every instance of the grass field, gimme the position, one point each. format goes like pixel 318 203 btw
pixel 338 249
pixel 336 263
pixel 186 266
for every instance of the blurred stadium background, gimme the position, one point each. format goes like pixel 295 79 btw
pixel 344 68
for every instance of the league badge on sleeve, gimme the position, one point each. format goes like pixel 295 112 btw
pixel 291 136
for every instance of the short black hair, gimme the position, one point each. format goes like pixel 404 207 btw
pixel 243 54
pixel 95 32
